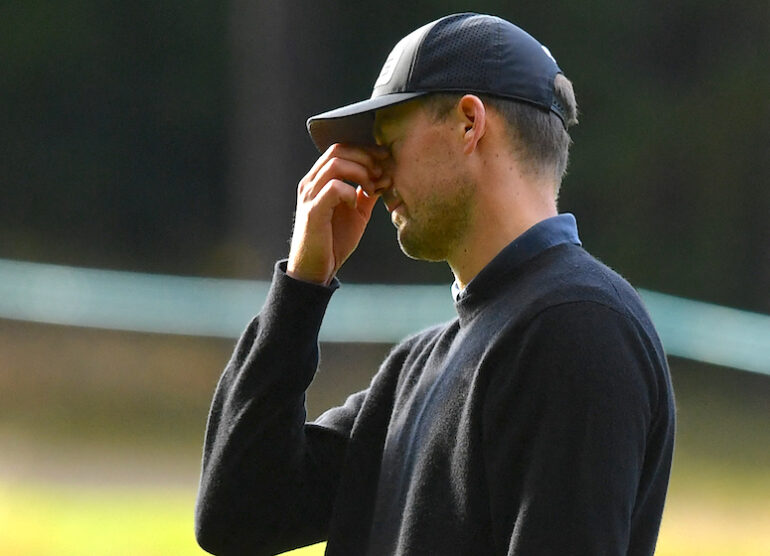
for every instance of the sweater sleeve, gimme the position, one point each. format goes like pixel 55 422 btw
pixel 566 417
pixel 268 479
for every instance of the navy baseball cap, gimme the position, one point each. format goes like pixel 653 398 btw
pixel 463 53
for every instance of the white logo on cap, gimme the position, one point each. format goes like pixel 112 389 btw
pixel 545 49
pixel 386 73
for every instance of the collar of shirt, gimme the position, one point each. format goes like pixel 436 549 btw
pixel 543 235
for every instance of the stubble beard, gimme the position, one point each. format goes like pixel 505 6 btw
pixel 431 228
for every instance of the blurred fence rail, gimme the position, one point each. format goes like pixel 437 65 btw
pixel 358 312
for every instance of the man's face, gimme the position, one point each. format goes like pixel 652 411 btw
pixel 431 199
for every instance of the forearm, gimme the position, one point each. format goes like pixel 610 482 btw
pixel 268 480
pixel 261 475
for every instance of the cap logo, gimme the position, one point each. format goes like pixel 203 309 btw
pixel 386 73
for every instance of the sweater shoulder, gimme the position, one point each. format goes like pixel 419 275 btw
pixel 568 274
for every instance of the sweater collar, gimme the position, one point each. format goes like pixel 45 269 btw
pixel 545 234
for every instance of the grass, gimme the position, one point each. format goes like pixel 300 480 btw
pixel 99 452
pixel 712 510
pixel 691 528
pixel 45 519
pixel 48 518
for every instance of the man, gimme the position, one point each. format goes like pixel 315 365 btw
pixel 538 422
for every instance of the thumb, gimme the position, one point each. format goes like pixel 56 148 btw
pixel 365 203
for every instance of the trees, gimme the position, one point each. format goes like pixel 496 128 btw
pixel 171 137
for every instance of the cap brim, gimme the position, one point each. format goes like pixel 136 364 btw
pixel 352 123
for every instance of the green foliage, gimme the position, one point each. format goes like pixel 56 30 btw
pixel 121 118
pixel 114 145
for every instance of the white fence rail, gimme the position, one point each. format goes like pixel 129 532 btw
pixel 358 312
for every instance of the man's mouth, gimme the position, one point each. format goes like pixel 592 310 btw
pixel 393 206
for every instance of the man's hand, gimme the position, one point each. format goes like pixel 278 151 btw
pixel 331 215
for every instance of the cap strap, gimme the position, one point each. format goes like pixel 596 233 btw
pixel 558 109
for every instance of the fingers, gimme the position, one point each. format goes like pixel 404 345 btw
pixel 331 214
pixel 342 169
pixel 365 203
pixel 334 193
pixel 370 157
pixel 357 165
pixel 363 154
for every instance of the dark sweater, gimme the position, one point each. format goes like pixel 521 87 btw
pixel 539 422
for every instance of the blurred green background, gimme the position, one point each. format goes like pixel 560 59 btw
pixel 169 137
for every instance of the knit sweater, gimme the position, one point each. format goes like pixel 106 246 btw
pixel 538 422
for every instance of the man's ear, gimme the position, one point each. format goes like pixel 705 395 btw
pixel 473 116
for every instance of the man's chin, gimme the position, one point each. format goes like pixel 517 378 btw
pixel 398 219
pixel 418 250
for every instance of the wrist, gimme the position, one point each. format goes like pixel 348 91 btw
pixel 297 273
